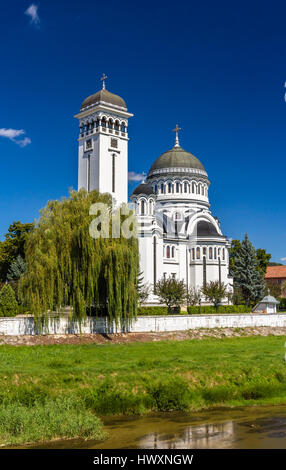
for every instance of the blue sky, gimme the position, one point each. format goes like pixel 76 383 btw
pixel 216 68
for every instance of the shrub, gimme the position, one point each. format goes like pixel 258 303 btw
pixel 219 394
pixel 206 309
pixel 108 399
pixel 152 311
pixel 8 302
pixel 172 395
pixel 171 292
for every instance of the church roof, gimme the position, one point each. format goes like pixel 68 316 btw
pixel 106 97
pixel 143 188
pixel 176 158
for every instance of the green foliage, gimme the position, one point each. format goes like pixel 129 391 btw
pixel 108 399
pixel 8 302
pixel 263 259
pixel 63 417
pixel 206 309
pixel 172 293
pixel 152 311
pixel 170 395
pixel 275 289
pixel 193 296
pixel 247 277
pixel 17 268
pixel 67 266
pixel 143 290
pixel 13 246
pixel 214 291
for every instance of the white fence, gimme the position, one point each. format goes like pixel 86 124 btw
pixel 143 324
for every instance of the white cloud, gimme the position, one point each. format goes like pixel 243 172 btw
pixel 12 135
pixel 132 176
pixel 283 259
pixel 32 12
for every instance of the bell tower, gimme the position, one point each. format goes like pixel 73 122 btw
pixel 103 144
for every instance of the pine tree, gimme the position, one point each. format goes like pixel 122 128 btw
pixel 8 302
pixel 246 275
pixel 17 268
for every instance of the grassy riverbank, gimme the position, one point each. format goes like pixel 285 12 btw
pixel 49 392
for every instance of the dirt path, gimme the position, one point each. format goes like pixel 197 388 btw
pixel 140 337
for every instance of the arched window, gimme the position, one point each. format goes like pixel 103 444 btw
pixel 193 253
pixel 193 187
pixel 204 251
pixel 97 123
pixel 199 189
pixel 210 253
pixel 203 191
pixel 223 254
pixel 123 127
pixel 162 188
pixel 169 187
pixel 142 207
pixel 198 253
pixel 214 253
pixel 173 252
pixel 103 122
pixel 155 189
pixel 177 187
pixel 185 187
pixel 168 252
pixel 116 125
pixel 110 124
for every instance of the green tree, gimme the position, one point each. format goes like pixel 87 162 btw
pixel 143 290
pixel 67 266
pixel 171 292
pixel 17 268
pixel 234 249
pixel 214 291
pixel 8 302
pixel 193 296
pixel 246 275
pixel 263 259
pixel 13 246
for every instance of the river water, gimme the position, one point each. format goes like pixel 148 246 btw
pixel 239 428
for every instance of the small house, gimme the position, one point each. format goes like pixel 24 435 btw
pixel 266 305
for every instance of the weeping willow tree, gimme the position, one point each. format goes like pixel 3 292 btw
pixel 66 266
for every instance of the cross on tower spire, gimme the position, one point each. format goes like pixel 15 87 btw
pixel 103 78
pixel 177 129
pixel 143 177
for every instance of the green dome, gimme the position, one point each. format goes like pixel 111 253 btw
pixel 176 158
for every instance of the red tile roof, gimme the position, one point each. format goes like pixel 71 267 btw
pixel 275 272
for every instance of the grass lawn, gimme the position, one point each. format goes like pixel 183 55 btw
pixel 95 380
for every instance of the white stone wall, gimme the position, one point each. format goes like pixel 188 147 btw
pixel 143 324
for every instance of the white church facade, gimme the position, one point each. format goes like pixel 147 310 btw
pixel 178 235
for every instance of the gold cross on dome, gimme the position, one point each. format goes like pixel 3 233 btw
pixel 103 78
pixel 177 129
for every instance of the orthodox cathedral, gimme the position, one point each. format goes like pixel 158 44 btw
pixel 178 235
